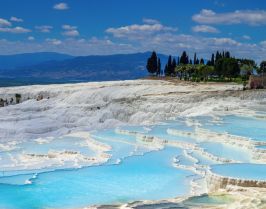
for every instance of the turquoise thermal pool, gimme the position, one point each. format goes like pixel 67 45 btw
pixel 138 177
pixel 244 171
pixel 65 171
pixel 250 127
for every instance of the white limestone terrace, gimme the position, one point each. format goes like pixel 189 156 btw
pixel 204 135
pixel 98 105
pixel 74 150
pixel 235 198
pixel 75 109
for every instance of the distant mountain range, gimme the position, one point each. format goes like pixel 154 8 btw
pixel 46 67
pixel 21 60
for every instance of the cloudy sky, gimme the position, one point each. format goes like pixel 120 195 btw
pixel 85 27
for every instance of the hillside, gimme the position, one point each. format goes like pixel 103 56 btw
pixel 77 69
pixel 20 60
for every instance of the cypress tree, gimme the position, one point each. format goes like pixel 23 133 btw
pixel 227 54
pixel 173 67
pixel 195 58
pixel 159 67
pixel 184 58
pixel 212 60
pixel 169 66
pixel 202 61
pixel 262 67
pixel 165 70
pixel 178 60
pixel 169 63
pixel 209 63
pixel 152 63
pixel 217 57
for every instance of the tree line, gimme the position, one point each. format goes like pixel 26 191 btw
pixel 220 66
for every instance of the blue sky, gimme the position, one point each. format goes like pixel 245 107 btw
pixel 85 27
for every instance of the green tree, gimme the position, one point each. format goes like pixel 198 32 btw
pixel 178 61
pixel 218 56
pixel 246 67
pixel 227 54
pixel 209 63
pixel 212 60
pixel 195 58
pixel 180 71
pixel 173 67
pixel 232 66
pixel 170 68
pixel 246 71
pixel 202 72
pixel 227 67
pixel 159 67
pixel 262 68
pixel 152 63
pixel 219 67
pixel 165 70
pixel 169 63
pixel 184 58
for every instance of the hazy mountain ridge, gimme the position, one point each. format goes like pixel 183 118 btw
pixel 82 68
pixel 21 60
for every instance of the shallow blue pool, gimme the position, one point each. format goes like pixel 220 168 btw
pixel 261 147
pixel 241 170
pixel 122 145
pixel 140 177
pixel 250 127
pixel 227 151
pixel 202 160
pixel 161 131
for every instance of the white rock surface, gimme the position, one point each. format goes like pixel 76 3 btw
pixel 90 106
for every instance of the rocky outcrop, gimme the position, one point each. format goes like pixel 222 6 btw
pixel 216 182
pixel 257 82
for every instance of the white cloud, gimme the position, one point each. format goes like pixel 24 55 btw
pixel 205 29
pixel 53 41
pixel 44 28
pixel 150 21
pixel 69 27
pixel 246 37
pixel 224 42
pixel 31 38
pixel 147 38
pixel 61 6
pixel 91 46
pixel 72 33
pixel 16 19
pixel 251 17
pixel 5 27
pixel 15 30
pixel 70 30
pixel 172 43
pixel 167 43
pixel 139 31
pixel 263 43
pixel 4 22
pixel 139 38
